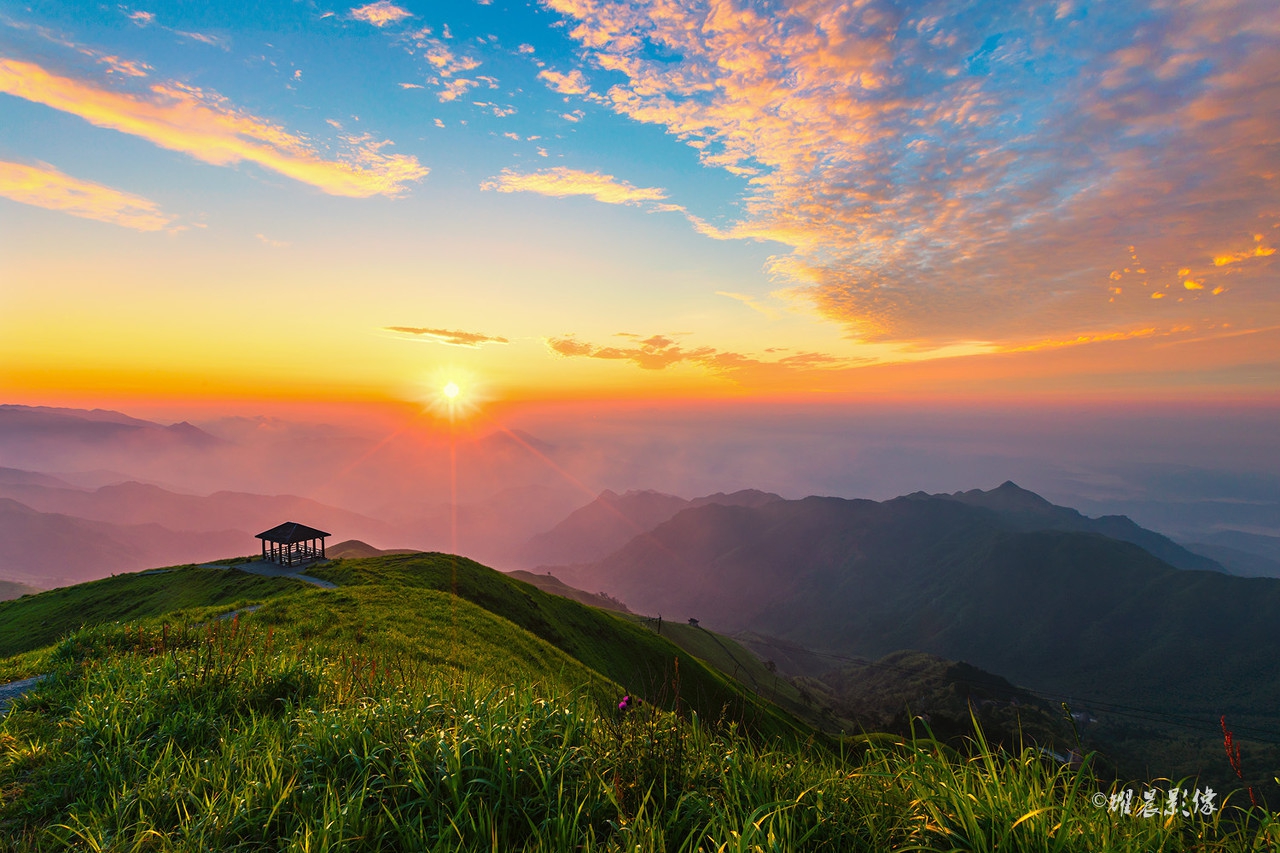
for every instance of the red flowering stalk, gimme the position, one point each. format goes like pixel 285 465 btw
pixel 1233 756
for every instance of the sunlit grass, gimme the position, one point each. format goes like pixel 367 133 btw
pixel 275 732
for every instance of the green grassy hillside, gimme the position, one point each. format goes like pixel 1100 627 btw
pixel 431 704
pixel 40 620
pixel 610 644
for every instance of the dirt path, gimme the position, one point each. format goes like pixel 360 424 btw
pixel 271 570
pixel 14 689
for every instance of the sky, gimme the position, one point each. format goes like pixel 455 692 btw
pixel 574 200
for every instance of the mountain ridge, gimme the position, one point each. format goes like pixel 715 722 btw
pixel 1048 608
pixel 1029 511
pixel 595 530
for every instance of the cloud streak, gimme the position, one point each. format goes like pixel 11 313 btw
pixel 939 175
pixel 563 182
pixel 658 352
pixel 44 186
pixel 452 337
pixel 208 127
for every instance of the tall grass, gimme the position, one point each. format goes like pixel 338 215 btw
pixel 238 735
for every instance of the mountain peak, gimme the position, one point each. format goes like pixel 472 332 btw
pixel 1008 496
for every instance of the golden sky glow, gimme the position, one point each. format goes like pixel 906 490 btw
pixel 587 200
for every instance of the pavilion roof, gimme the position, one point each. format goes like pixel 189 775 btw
pixel 291 532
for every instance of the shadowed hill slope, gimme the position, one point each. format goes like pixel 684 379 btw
pixel 555 586
pixel 1063 610
pixel 888 694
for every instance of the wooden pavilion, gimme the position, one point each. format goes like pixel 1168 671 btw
pixel 291 544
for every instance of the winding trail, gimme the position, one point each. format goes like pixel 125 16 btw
pixel 14 689
pixel 272 570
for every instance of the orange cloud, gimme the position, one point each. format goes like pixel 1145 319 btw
pixel 928 186
pixel 444 60
pixel 1080 340
pixel 659 352
pixel 573 83
pixel 653 353
pixel 449 336
pixel 206 126
pixel 381 13
pixel 456 88
pixel 44 186
pixel 1258 251
pixel 561 182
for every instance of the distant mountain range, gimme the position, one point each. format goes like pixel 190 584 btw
pixel 611 520
pixel 1249 555
pixel 53 549
pixel 964 577
pixel 139 503
pixel 54 533
pixel 34 433
pixel 1027 511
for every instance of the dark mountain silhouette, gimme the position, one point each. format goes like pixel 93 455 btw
pixel 611 520
pixel 1070 611
pixel 1025 510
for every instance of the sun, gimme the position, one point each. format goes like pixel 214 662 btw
pixel 452 393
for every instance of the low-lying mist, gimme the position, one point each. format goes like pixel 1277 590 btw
pixel 486 484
